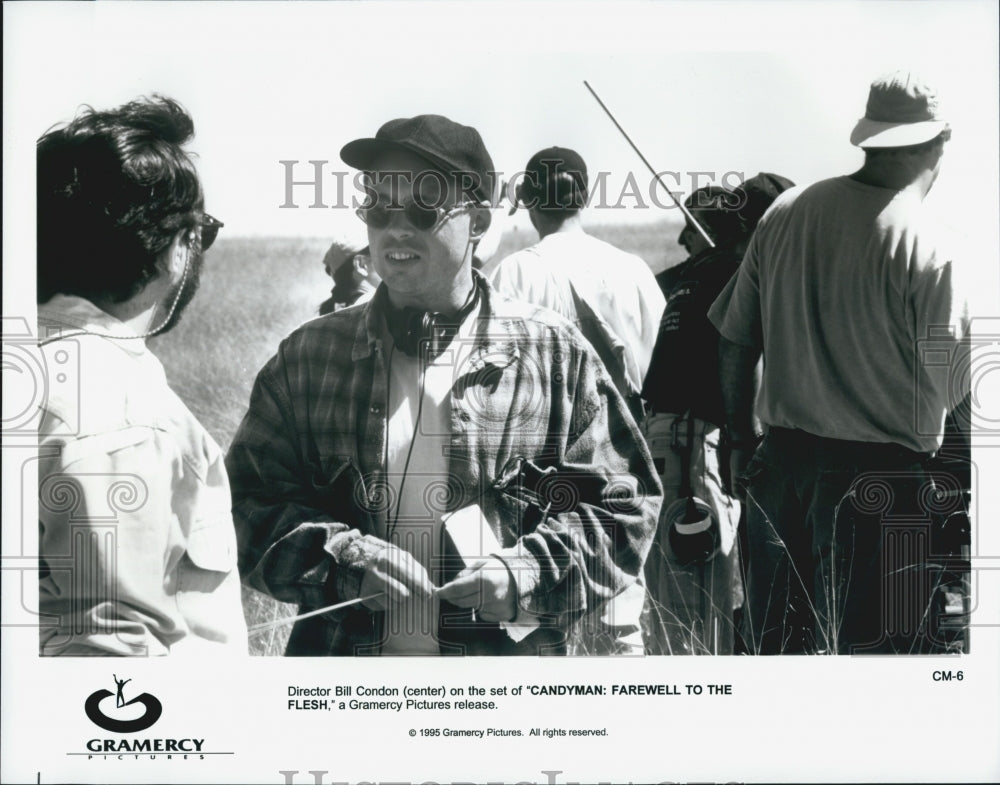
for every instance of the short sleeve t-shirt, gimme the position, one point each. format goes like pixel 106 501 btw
pixel 848 289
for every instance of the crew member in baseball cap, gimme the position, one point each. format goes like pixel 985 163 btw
pixel 555 181
pixel 692 573
pixel 756 195
pixel 611 295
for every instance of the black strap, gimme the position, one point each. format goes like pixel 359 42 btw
pixel 683 449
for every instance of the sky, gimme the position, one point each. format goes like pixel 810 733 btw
pixel 714 87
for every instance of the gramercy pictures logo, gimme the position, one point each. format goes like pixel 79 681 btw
pixel 97 708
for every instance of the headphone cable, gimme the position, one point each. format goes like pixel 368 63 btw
pixel 413 437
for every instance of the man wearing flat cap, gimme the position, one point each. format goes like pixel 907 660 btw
pixel 848 289
pixel 453 472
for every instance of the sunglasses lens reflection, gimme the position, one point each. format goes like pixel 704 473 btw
pixel 209 231
pixel 378 216
pixel 208 235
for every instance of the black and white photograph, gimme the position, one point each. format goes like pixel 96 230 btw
pixel 475 392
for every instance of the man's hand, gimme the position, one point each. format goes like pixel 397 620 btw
pixel 395 577
pixel 734 457
pixel 486 586
pixel 740 370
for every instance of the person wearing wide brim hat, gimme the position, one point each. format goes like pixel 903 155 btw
pixel 841 282
pixel 902 111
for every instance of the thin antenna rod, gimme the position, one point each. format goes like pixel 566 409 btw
pixel 687 213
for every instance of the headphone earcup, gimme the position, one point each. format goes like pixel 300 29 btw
pixel 409 327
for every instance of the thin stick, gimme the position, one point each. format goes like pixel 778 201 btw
pixel 687 213
pixel 288 620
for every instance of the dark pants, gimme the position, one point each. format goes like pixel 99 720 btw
pixel 842 548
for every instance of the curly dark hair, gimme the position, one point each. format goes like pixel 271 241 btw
pixel 114 188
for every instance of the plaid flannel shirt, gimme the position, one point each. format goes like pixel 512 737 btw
pixel 310 493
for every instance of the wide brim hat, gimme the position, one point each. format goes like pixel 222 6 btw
pixel 902 111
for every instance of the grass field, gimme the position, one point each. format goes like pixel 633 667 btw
pixel 256 291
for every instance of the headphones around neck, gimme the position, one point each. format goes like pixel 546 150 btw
pixel 412 328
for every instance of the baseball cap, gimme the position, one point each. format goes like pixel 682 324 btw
pixel 902 110
pixel 449 147
pixel 555 177
pixel 758 193
pixel 716 211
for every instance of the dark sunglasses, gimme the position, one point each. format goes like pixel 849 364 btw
pixel 419 216
pixel 209 230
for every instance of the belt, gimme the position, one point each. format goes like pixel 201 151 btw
pixel 655 410
pixel 839 449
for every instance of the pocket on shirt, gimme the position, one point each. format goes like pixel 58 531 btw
pixel 87 445
pixel 342 492
pixel 209 557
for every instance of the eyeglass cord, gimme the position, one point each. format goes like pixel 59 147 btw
pixel 147 334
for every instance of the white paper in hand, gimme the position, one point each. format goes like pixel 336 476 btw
pixel 474 540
